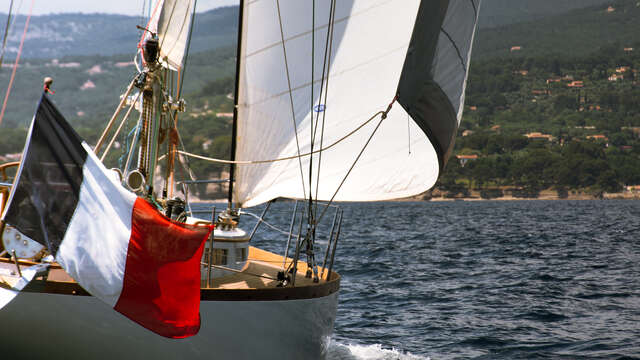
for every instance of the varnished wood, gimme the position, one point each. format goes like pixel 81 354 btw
pixel 256 282
pixel 5 166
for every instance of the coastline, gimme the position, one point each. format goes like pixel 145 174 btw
pixel 544 195
pixel 474 195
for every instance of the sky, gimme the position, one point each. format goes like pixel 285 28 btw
pixel 126 7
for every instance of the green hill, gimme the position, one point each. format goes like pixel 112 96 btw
pixel 505 12
pixel 578 32
pixel 594 126
pixel 74 34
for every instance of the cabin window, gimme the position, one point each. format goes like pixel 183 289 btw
pixel 241 255
pixel 219 256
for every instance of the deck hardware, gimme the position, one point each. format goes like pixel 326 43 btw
pixel 15 260
pixel 293 220
pixel 335 244
pixel 296 257
pixel 211 239
pixel 331 234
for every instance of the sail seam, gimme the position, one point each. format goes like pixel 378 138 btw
pixel 455 46
pixel 329 76
pixel 293 157
pixel 297 36
pixel 475 9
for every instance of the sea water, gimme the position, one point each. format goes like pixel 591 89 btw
pixel 484 280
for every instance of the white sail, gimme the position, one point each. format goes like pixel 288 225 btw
pixel 370 44
pixel 173 27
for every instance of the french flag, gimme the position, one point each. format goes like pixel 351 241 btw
pixel 116 245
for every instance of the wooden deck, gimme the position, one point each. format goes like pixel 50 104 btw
pixel 256 281
pixel 261 271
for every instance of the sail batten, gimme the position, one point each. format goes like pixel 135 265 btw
pixel 379 51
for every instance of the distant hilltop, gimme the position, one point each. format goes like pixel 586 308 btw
pixel 75 34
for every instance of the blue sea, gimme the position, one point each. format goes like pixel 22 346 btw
pixel 485 280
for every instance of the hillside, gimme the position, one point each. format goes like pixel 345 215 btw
pixel 554 123
pixel 88 88
pixel 574 81
pixel 70 34
pixel 59 35
pixel 505 12
pixel 578 32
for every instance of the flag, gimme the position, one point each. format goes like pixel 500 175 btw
pixel 117 246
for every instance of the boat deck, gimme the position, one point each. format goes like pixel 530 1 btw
pixel 261 271
pixel 256 281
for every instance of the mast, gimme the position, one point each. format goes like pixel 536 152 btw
pixel 234 131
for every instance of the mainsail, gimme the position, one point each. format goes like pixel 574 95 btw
pixel 362 56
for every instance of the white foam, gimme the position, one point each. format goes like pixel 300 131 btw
pixel 339 351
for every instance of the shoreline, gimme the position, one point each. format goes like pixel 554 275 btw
pixel 476 197
pixel 544 195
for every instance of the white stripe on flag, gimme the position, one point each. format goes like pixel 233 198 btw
pixel 94 248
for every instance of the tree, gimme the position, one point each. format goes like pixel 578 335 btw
pixel 607 182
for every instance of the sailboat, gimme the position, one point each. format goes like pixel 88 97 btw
pixel 350 100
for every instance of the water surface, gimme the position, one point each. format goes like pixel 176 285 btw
pixel 486 280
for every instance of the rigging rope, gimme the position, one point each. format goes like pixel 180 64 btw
pixel 300 156
pixel 6 33
pixel 312 138
pixel 15 65
pixel 384 116
pixel 326 68
pixel 293 113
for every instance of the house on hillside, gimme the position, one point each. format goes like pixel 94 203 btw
pixel 538 136
pixel 124 64
pixel 516 48
pixel 464 159
pixel 632 188
pixel 616 77
pixel 622 69
pixel 634 129
pixel 599 138
pixel 94 70
pixel 611 9
pixel 11 157
pixel 88 85
pixel 576 84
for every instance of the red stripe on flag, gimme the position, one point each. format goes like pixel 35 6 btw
pixel 161 286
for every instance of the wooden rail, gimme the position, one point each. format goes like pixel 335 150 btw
pixel 4 167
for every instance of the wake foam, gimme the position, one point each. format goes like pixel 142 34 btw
pixel 339 351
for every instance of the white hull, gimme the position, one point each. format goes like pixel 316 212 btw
pixel 50 326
